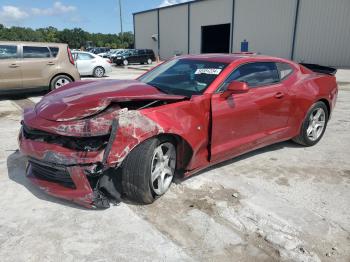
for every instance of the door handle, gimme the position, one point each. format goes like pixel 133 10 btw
pixel 14 66
pixel 279 95
pixel 50 63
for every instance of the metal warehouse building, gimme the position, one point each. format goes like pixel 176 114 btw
pixel 312 31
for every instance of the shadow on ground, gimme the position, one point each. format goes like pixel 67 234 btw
pixel 274 147
pixel 19 95
pixel 16 166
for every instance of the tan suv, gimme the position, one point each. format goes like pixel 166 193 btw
pixel 27 65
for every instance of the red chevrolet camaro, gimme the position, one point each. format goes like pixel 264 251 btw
pixel 88 137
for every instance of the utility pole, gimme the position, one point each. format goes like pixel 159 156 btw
pixel 121 23
pixel 120 14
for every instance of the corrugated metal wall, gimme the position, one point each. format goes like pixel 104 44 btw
pixel 267 25
pixel 146 25
pixel 323 32
pixel 173 24
pixel 207 13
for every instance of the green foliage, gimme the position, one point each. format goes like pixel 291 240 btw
pixel 75 38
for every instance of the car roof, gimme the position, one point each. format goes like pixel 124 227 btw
pixel 84 52
pixel 31 43
pixel 230 58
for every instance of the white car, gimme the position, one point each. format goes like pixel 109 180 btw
pixel 90 64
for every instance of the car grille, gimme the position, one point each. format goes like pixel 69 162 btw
pixel 52 174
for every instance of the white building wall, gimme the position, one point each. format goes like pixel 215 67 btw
pixel 267 25
pixel 173 27
pixel 323 32
pixel 146 25
pixel 211 12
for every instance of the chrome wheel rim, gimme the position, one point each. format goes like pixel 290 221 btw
pixel 125 62
pixel 61 82
pixel 317 122
pixel 99 72
pixel 149 61
pixel 163 168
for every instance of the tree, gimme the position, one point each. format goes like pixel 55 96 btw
pixel 50 34
pixel 75 38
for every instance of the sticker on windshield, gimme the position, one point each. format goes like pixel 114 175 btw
pixel 208 71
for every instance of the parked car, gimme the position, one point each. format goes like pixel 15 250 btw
pixel 141 56
pixel 28 66
pixel 98 50
pixel 90 64
pixel 112 55
pixel 182 116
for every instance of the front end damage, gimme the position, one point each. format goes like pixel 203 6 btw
pixel 76 159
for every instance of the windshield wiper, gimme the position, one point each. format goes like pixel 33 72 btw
pixel 166 92
pixel 159 88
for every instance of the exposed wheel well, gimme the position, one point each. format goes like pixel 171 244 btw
pixel 183 149
pixel 325 101
pixel 98 67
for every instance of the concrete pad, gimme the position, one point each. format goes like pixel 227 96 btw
pixel 280 203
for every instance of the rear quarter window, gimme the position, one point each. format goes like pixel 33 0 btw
pixel 284 70
pixel 36 52
pixel 54 51
pixel 85 56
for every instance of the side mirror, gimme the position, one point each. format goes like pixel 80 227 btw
pixel 235 87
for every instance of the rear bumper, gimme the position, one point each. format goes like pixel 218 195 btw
pixel 108 68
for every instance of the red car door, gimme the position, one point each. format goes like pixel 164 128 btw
pixel 273 103
pixel 234 125
pixel 246 121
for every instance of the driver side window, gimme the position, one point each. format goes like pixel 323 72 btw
pixel 254 74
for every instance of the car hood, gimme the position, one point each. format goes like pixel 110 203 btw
pixel 82 99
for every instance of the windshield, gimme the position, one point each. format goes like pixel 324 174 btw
pixel 185 77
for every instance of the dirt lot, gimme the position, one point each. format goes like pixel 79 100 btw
pixel 283 202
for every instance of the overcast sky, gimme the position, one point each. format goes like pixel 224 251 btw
pixel 93 16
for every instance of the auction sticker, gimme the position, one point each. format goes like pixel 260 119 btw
pixel 208 71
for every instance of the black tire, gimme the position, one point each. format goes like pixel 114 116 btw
pixel 99 72
pixel 136 172
pixel 303 138
pixel 55 82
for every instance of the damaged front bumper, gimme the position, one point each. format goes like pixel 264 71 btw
pixel 66 173
pixel 78 160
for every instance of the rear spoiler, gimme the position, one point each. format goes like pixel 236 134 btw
pixel 320 69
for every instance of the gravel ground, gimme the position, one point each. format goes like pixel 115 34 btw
pixel 282 202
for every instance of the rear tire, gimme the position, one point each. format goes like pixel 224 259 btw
pixel 314 125
pixel 125 62
pixel 149 61
pixel 141 166
pixel 59 81
pixel 99 72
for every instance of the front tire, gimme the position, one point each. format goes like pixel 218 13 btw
pixel 314 125
pixel 59 81
pixel 149 61
pixel 125 62
pixel 148 170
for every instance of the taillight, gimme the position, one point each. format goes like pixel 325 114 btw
pixel 109 61
pixel 71 60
